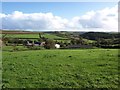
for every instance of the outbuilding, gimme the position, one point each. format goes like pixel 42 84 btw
pixel 57 46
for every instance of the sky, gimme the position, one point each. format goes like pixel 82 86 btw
pixel 58 16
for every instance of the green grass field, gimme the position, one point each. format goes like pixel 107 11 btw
pixel 83 68
pixel 51 36
pixel 46 35
pixel 22 35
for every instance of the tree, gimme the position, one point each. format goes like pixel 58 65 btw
pixel 73 41
pixel 39 35
pixel 98 42
pixel 49 44
pixel 77 41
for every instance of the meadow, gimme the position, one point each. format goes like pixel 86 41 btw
pixel 51 36
pixel 63 68
pixel 36 37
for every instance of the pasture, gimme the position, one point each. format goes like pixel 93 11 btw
pixel 35 36
pixel 22 36
pixel 81 68
pixel 32 35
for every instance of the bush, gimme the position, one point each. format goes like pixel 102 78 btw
pixel 49 44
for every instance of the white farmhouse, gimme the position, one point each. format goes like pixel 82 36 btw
pixel 57 46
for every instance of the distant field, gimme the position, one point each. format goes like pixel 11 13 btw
pixel 89 41
pixel 22 35
pixel 50 36
pixel 83 68
pixel 35 36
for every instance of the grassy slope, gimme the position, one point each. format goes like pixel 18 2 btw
pixel 89 41
pixel 61 68
pixel 46 35
pixel 23 35
pixel 51 36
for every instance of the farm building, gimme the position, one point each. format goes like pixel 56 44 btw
pixel 57 46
